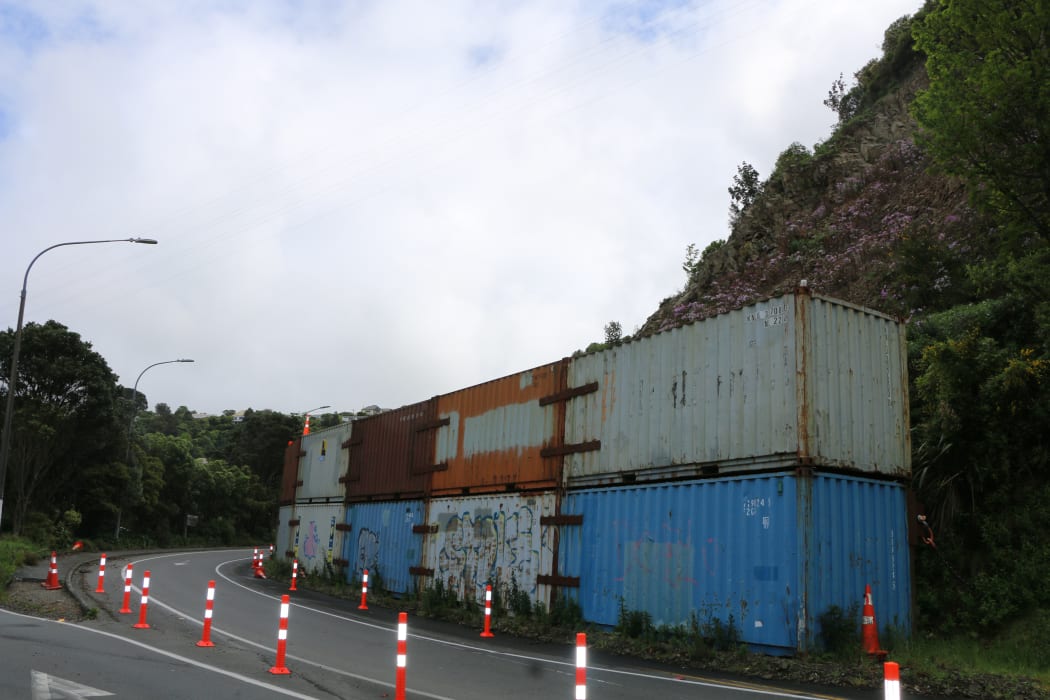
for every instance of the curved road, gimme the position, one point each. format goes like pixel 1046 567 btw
pixel 333 649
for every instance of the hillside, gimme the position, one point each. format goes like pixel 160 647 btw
pixel 930 201
pixel 861 217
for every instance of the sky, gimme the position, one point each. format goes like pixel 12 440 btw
pixel 365 202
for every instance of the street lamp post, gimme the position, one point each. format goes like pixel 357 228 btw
pixel 131 424
pixel 135 404
pixel 306 415
pixel 5 439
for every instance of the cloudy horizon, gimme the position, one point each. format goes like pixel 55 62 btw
pixel 375 203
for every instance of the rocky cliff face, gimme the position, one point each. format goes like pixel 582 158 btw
pixel 862 218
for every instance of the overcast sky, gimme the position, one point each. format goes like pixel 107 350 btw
pixel 378 202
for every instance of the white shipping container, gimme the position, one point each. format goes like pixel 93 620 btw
pixel 799 379
pixel 495 539
pixel 323 461
pixel 309 532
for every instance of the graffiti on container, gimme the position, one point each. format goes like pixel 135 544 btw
pixel 331 539
pixel 487 546
pixel 312 541
pixel 367 550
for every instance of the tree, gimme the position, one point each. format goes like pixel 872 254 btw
pixel 986 115
pixel 746 187
pixel 613 332
pixel 841 101
pixel 65 423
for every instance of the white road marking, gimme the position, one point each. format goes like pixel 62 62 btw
pixel 768 692
pixel 47 687
pixel 170 655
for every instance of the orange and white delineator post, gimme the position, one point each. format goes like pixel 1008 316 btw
pixel 52 583
pixel 487 632
pixel 402 656
pixel 892 682
pixel 364 592
pixel 101 587
pixel 208 605
pixel 126 607
pixel 295 573
pixel 581 666
pixel 142 624
pixel 282 639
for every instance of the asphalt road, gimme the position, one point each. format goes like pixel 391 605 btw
pixel 333 649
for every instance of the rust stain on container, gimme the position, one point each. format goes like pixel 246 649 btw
pixel 493 433
pixel 390 457
pixel 290 474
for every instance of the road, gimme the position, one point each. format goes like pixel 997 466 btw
pixel 333 649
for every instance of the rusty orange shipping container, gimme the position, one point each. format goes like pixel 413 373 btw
pixel 391 455
pixel 502 435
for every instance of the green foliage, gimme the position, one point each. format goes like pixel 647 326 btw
pixel 14 552
pixel 64 420
pixel 519 602
pixel 840 631
pixel 746 187
pixel 841 101
pixel 613 332
pixel 634 624
pixel 986 114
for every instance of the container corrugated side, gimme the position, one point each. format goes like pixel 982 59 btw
pixel 315 539
pixel 858 536
pixel 493 434
pixel 717 549
pixel 323 463
pixel 857 366
pixel 767 554
pixel 391 455
pixel 381 539
pixel 290 473
pixel 495 539
pixel 717 392
pixel 794 380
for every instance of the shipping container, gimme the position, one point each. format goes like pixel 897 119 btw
pixel 799 380
pixel 386 538
pixel 391 455
pixel 313 535
pixel 763 556
pixel 492 436
pixel 499 540
pixel 322 464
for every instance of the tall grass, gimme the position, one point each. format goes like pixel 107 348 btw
pixel 1022 649
pixel 14 552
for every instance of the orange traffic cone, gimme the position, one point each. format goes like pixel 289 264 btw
pixel 306 426
pixel 52 583
pixel 869 631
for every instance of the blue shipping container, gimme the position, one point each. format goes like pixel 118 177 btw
pixel 768 554
pixel 381 540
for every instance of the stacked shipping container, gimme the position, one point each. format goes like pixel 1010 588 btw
pixel 310 528
pixel 746 467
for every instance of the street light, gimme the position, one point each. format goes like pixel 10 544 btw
pixel 5 440
pixel 131 425
pixel 135 404
pixel 306 415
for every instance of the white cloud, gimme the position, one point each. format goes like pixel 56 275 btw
pixel 378 202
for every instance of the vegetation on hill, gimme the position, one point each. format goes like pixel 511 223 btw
pixel 930 201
